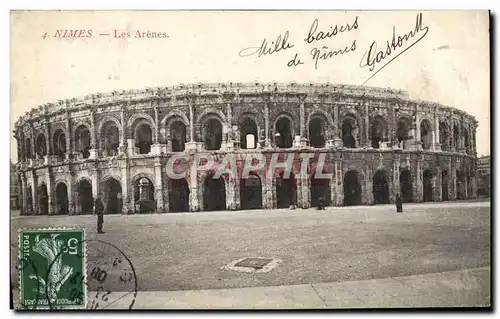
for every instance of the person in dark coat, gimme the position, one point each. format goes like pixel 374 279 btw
pixel 399 204
pixel 99 211
pixel 321 204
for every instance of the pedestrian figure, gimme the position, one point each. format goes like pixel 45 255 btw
pixel 99 211
pixel 399 204
pixel 321 204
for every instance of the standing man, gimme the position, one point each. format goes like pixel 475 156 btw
pixel 399 204
pixel 99 211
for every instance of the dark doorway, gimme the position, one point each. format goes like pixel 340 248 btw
pixel 426 134
pixel 28 148
pixel 402 131
pixel 214 193
pixel 143 138
pixel 178 195
pixel 317 133
pixel 380 188
pixel 43 198
pixel 248 127
pixel 251 192
pixel 377 131
pixel 286 191
pixel 352 188
pixel 406 186
pixel 111 139
pixel 213 134
pixel 85 198
pixel 348 139
pixel 460 185
pixel 59 143
pixel 61 199
pixel 444 185
pixel 320 190
pixel 428 185
pixel 283 136
pixel 41 146
pixel 444 136
pixel 82 140
pixel 178 136
pixel 113 196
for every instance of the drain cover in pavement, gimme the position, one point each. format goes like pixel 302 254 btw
pixel 256 263
pixel 253 264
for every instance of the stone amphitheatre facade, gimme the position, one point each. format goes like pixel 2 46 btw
pixel 376 143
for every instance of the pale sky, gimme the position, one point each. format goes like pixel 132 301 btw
pixel 449 65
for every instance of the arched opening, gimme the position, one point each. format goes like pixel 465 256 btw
pixel 283 136
pixel 248 134
pixel 212 130
pixel 85 200
pixel 352 188
pixel 406 186
pixel 466 139
pixel 403 131
pixel 460 185
pixel 214 193
pixel 348 133
pixel 251 192
pixel 317 132
pixel 110 138
pixel 41 146
pixel 378 131
pixel 144 191
pixel 286 191
pixel 143 138
pixel 380 188
pixel 59 143
pixel 456 136
pixel 27 147
pixel 82 140
pixel 113 196
pixel 444 185
pixel 426 134
pixel 178 195
pixel 427 184
pixel 61 199
pixel 444 136
pixel 320 191
pixel 43 199
pixel 178 136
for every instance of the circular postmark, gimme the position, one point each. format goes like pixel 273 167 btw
pixel 109 278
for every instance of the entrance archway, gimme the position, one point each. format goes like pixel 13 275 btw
pixel 248 127
pixel 82 140
pixel 143 138
pixel 178 195
pixel 352 188
pixel 406 186
pixel 403 131
pixel 348 133
pixel 110 138
pixel 59 143
pixel 378 131
pixel 320 190
pixel 444 185
pixel 213 134
pixel 251 192
pixel 317 133
pixel 444 136
pixel 85 199
pixel 113 196
pixel 178 136
pixel 61 199
pixel 426 134
pixel 144 191
pixel 283 136
pixel 286 191
pixel 380 188
pixel 214 193
pixel 43 198
pixel 427 184
pixel 41 146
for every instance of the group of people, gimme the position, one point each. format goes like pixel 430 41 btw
pixel 399 204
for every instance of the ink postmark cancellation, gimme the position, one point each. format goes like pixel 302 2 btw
pixel 52 268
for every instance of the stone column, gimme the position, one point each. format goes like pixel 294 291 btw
pixel 337 141
pixel 194 204
pixel 392 129
pixel 367 128
pixel 69 144
pixel 418 191
pixel 127 194
pixel 453 179
pixel 302 120
pixel 396 187
pixel 71 193
pixel 93 138
pixel 123 138
pixel 437 182
pixel 231 185
pixel 339 183
pixel 303 188
pixel 96 185
pixel 466 187
pixel 160 189
pixel 266 123
pixel 48 140
pixel 24 197
pixel 191 122
pixel 367 186
pixel 460 137
pixel 418 141
pixel 436 141
pixel 452 132
pixel 34 193
pixel 157 126
pixel 50 191
pixel 33 141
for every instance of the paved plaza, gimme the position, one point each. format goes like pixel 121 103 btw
pixel 318 250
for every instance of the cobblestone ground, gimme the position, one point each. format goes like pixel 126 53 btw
pixel 187 250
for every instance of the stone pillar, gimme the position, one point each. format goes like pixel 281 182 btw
pixel 303 190
pixel 436 185
pixel 453 179
pixel 34 193
pixel 127 194
pixel 460 137
pixel 96 185
pixel 69 144
pixel 436 142
pixel 452 133
pixel 302 120
pixel 123 138
pixel 392 129
pixel 157 126
pixel 266 124
pixel 191 122
pixel 93 138
pixel 418 141
pixel 419 185
pixel 337 141
pixel 48 139
pixel 50 191
pixel 267 192
pixel 466 187
pixel 231 185
pixel 71 193
pixel 396 187
pixel 33 141
pixel 339 183
pixel 24 196
pixel 367 128
pixel 160 189
pixel 194 204
pixel 367 186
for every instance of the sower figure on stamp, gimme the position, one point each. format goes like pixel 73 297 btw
pixel 399 204
pixel 99 211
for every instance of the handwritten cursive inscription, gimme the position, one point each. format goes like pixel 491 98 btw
pixel 317 54
pixel 280 44
pixel 334 30
pixel 372 57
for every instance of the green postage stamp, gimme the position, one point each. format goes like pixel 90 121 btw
pixel 52 268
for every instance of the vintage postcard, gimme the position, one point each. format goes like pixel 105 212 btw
pixel 250 159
